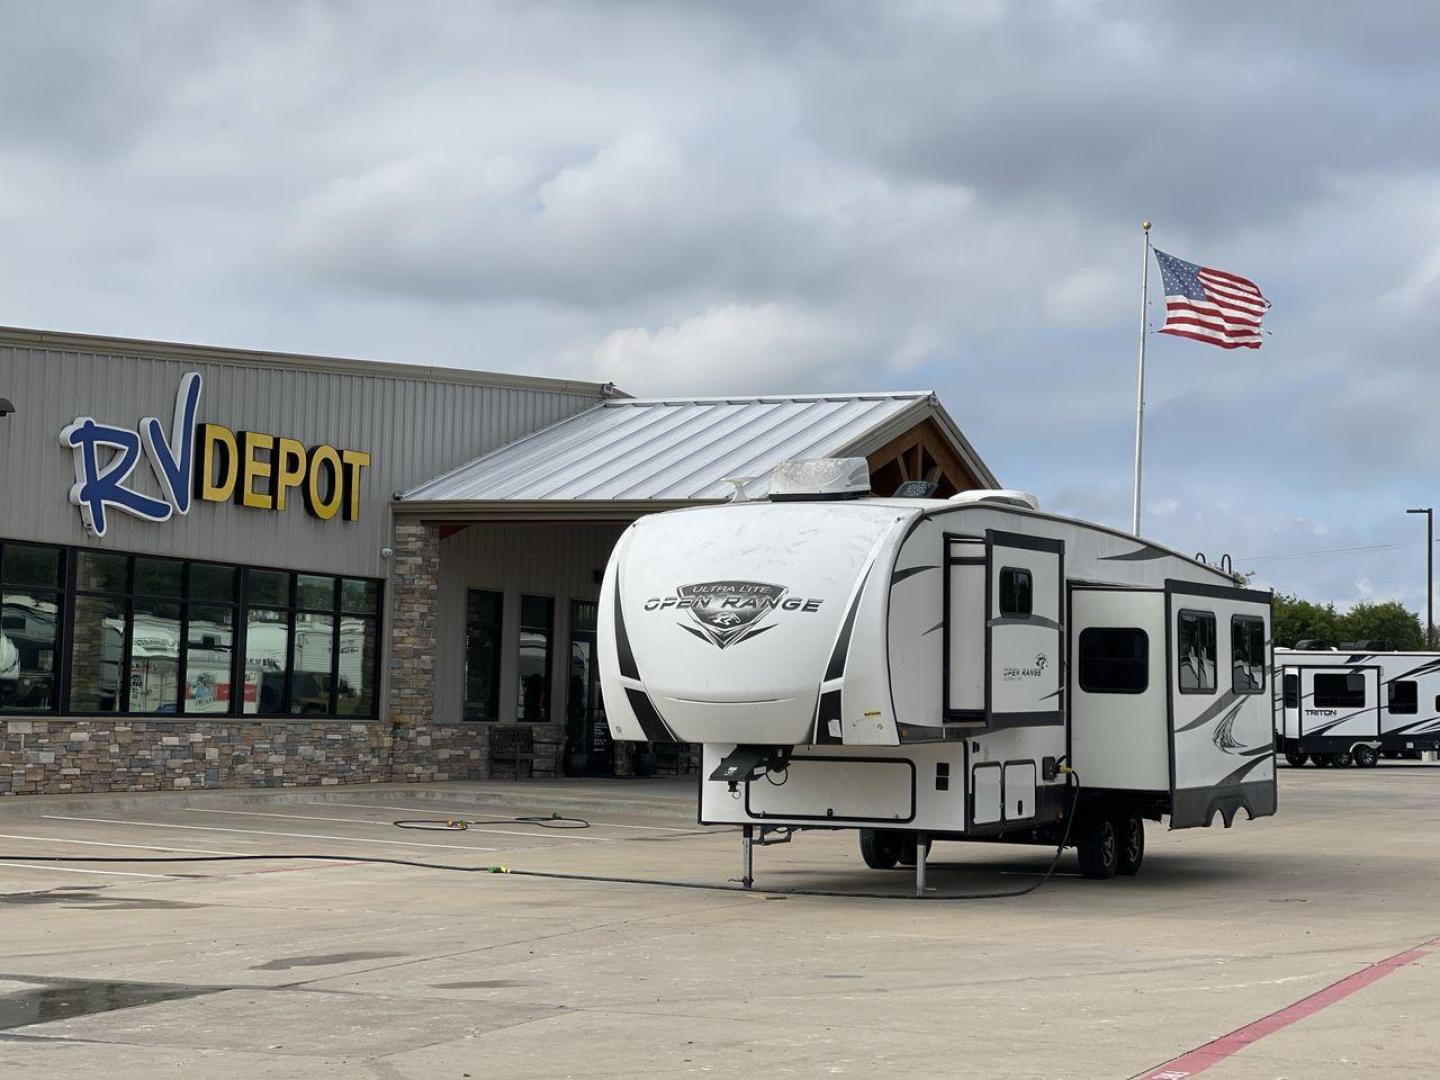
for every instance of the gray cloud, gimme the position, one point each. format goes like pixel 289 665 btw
pixel 800 196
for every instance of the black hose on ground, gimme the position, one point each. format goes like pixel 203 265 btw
pixel 552 875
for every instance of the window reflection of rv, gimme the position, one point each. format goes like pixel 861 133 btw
pixel 27 651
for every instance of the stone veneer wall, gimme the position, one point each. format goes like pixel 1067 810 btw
pixel 65 756
pixel 57 757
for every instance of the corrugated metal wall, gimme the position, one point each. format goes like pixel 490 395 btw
pixel 558 560
pixel 413 428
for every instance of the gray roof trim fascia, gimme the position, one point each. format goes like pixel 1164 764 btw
pixel 543 509
pixel 24 338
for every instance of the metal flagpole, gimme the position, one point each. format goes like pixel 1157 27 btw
pixel 1140 385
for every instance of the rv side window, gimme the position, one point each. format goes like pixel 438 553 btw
pixel 1247 647
pixel 1114 660
pixel 1195 644
pixel 1292 691
pixel 1340 691
pixel 1014 592
pixel 1404 697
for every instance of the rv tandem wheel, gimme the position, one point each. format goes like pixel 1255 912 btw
pixel 882 849
pixel 1098 846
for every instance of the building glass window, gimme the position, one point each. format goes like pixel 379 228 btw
pixel 1114 660
pixel 1195 645
pixel 267 644
pixel 144 635
pixel 30 606
pixel 359 647
pixel 209 657
pixel 1404 697
pixel 1247 648
pixel 537 620
pixel 482 654
pixel 1015 590
pixel 97 648
pixel 154 656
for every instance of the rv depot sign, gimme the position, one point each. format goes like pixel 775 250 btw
pixel 205 461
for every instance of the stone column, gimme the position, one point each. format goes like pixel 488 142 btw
pixel 414 621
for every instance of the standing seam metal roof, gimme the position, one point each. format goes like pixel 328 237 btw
pixel 677 449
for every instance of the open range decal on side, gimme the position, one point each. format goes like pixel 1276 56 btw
pixel 727 612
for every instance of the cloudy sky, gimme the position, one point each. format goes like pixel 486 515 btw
pixel 751 197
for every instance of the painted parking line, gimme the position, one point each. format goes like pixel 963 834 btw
pixel 77 870
pixel 543 833
pixel 473 809
pixel 262 832
pixel 134 847
pixel 1212 1053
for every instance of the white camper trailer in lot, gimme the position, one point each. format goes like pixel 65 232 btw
pixel 917 669
pixel 1339 708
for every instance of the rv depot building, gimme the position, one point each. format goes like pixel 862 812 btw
pixel 236 569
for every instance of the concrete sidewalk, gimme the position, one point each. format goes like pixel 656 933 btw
pixel 656 797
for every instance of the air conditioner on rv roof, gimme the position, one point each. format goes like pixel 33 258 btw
pixel 820 478
pixel 1004 495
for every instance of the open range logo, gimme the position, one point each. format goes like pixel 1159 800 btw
pixel 727 612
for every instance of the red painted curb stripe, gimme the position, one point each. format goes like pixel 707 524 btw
pixel 1212 1053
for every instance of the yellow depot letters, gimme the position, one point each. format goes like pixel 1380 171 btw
pixel 258 470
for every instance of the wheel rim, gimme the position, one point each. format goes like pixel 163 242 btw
pixel 1133 841
pixel 1107 844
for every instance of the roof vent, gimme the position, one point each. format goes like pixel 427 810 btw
pixel 820 478
pixel 1005 496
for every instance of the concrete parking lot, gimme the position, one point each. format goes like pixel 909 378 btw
pixel 351 969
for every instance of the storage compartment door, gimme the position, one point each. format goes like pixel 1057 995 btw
pixel 818 788
pixel 1019 791
pixel 1024 631
pixel 986 785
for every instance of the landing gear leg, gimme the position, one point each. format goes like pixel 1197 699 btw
pixel 747 857
pixel 922 849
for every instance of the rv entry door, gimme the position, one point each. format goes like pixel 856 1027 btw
pixel 1024 630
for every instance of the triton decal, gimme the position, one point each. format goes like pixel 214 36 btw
pixel 725 613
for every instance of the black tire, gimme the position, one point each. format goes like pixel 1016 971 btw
pixel 1131 830
pixel 1098 847
pixel 1366 757
pixel 1344 760
pixel 907 848
pixel 1296 757
pixel 1323 761
pixel 879 848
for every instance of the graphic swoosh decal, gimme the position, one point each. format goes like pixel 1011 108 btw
pixel 1223 702
pixel 900 575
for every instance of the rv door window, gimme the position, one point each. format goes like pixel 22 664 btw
pixel 1195 644
pixel 1404 697
pixel 1114 660
pixel 1292 691
pixel 1247 646
pixel 1015 592
pixel 1345 691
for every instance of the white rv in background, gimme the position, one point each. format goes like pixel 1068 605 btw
pixel 1339 708
pixel 918 669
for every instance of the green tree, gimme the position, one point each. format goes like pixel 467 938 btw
pixel 1390 622
pixel 1293 619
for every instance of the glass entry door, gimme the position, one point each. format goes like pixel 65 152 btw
pixel 588 743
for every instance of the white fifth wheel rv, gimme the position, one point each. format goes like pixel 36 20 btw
pixel 917 669
pixel 1335 708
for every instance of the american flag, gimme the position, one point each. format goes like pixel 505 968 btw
pixel 1210 305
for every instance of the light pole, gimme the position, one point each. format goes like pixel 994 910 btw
pixel 1429 513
